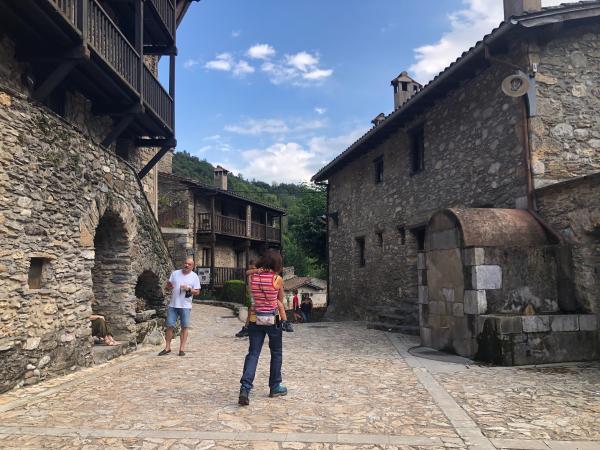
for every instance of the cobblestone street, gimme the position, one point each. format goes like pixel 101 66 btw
pixel 349 388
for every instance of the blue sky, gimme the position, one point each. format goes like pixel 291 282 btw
pixel 274 89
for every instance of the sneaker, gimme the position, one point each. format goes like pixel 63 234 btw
pixel 164 352
pixel 287 326
pixel 278 390
pixel 181 353
pixel 243 332
pixel 244 399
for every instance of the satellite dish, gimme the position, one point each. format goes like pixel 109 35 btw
pixel 515 85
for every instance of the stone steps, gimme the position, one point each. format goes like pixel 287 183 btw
pixel 394 328
pixel 401 317
pixel 104 353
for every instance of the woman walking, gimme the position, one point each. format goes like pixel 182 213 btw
pixel 267 289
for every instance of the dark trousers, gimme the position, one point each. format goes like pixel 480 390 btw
pixel 257 338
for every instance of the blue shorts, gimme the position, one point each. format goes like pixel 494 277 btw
pixel 182 313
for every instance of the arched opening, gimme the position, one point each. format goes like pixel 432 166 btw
pixel 149 293
pixel 111 275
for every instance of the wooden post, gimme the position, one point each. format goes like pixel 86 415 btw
pixel 82 16
pixel 172 68
pixel 213 240
pixel 266 234
pixel 139 45
pixel 281 233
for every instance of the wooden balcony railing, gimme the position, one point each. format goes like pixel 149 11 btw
pixel 257 231
pixel 272 234
pixel 222 274
pixel 166 11
pixel 68 8
pixel 157 98
pixel 108 42
pixel 237 227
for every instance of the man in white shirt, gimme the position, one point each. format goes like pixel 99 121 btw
pixel 184 284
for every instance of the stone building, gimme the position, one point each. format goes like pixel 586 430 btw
pixel 425 210
pixel 242 227
pixel 81 116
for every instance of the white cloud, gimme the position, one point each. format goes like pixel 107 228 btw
pixel 302 61
pixel 257 127
pixel 214 137
pixel 286 162
pixel 189 63
pixel 320 111
pixel 242 67
pixel 236 33
pixel 225 62
pixel 467 26
pixel 317 74
pixel 261 51
pixel 301 69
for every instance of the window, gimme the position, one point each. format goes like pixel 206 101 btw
pixel 402 233
pixel 419 235
pixel 378 163
pixel 360 243
pixel 379 238
pixel 35 277
pixel 404 86
pixel 417 149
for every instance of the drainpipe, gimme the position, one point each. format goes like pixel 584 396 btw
pixel 525 113
pixel 529 176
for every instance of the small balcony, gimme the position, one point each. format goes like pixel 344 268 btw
pixel 231 226
pixel 79 43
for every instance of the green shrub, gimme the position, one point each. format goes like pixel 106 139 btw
pixel 235 291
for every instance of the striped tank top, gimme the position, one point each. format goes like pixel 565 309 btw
pixel 264 292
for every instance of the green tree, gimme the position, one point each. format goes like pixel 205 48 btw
pixel 307 223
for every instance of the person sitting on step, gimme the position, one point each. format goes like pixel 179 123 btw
pixel 101 330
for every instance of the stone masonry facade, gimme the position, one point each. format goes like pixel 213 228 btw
pixel 77 231
pixel 473 157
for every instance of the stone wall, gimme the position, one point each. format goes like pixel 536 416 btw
pixel 77 233
pixel 473 157
pixel 565 140
pixel 573 209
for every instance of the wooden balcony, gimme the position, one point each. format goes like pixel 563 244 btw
pixel 223 274
pixel 231 226
pixel 78 43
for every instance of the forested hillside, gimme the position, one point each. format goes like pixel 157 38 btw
pixel 304 238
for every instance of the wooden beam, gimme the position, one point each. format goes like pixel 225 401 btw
pixel 160 50
pixel 76 53
pixel 171 142
pixel 155 159
pixel 118 130
pixel 53 80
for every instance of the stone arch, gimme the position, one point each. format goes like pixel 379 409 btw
pixel 111 274
pixel 148 289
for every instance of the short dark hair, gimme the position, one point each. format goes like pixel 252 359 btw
pixel 271 259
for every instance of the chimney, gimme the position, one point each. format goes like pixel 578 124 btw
pixel 377 120
pixel 221 178
pixel 519 7
pixel 404 88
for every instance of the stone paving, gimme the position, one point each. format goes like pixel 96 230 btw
pixel 349 388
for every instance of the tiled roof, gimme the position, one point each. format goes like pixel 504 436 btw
pixel 551 14
pixel 297 282
pixel 208 187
